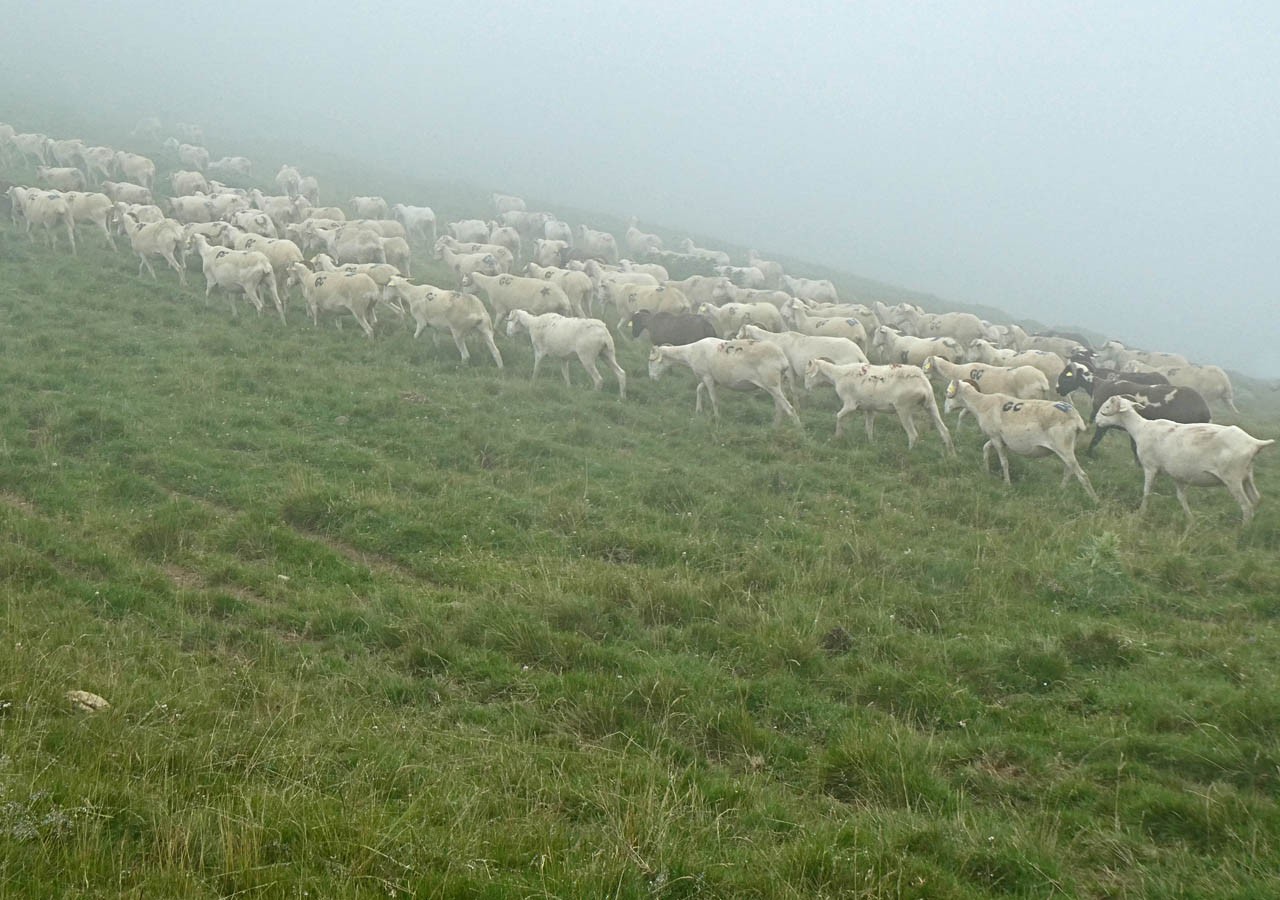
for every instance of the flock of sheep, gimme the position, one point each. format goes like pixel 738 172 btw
pixel 741 327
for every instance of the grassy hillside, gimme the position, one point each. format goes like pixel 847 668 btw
pixel 376 623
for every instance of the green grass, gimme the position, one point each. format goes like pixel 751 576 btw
pixel 376 623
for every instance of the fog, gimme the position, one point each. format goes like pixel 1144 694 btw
pixel 1112 166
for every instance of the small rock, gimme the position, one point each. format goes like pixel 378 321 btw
pixel 342 420
pixel 83 701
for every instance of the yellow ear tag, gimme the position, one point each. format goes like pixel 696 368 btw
pixel 951 389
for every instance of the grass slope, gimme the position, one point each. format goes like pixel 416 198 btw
pixel 375 623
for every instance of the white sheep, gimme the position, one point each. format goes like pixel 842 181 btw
pixel 352 243
pixel 232 165
pixel 742 276
pixel 800 348
pixel 1051 364
pixel 576 285
pixel 127 192
pixel 816 290
pixel 49 210
pixel 289 180
pixel 1200 454
pixel 506 262
pixel 163 238
pixel 469 231
pixel 730 317
pixel 598 244
pixel 725 291
pixel 640 243
pixel 34 147
pixel 464 264
pixel 1211 382
pixel 95 209
pixel 1023 382
pixel 659 272
pixel 797 316
pixel 772 270
pixel 629 299
pixel 505 236
pixel 1116 355
pixel 330 291
pixel 135 168
pixel 254 222
pixel 369 207
pixel 561 337
pixel 875 389
pixel 280 252
pixel 508 292
pixel 453 311
pixel 505 203
pixel 187 183
pixel 64 178
pixel 418 221
pixel 894 347
pixel 550 252
pixel 1028 427
pixel 99 161
pixel 237 271
pixel 738 365
pixel 716 257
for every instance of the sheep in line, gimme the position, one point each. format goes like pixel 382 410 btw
pixel 1023 382
pixel 332 291
pixel 630 299
pixel 741 276
pixel 874 389
pixel 598 244
pixel 98 162
pixel 94 209
pixel 469 231
pixel 369 207
pixel 576 285
pixel 699 289
pixel 983 351
pixel 1032 428
pixel 548 252
pixel 505 236
pixel 1116 354
pixel 352 244
pixel 418 221
pixel 816 290
pixel 1201 454
pixel 506 262
pixel 188 154
pixel 1211 381
pixel 505 203
pixel 32 147
pixel 730 317
pixel 639 243
pixel 143 212
pixel 465 264
pixel 738 365
pixel 772 270
pixel 864 314
pixel 453 311
pixel 895 347
pixel 231 165
pixel 66 178
pixel 280 252
pixel 797 317
pixel 237 272
pixel 508 292
pixel 135 168
pixel 725 291
pixel 561 337
pixel 716 257
pixel 185 183
pixel 47 209
pixel 659 273
pixel 670 328
pixel 163 238
pixel 800 348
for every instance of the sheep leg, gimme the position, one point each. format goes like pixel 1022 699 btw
pixel 71 236
pixel 846 410
pixel 564 370
pixel 537 361
pixel 618 372
pixel 145 264
pixel 275 296
pixel 1251 489
pixel 252 293
pixel 1242 497
pixel 487 334
pixel 697 395
pixel 589 363
pixel 711 393
pixel 908 425
pixel 782 407
pixel 1180 489
pixel 1071 466
pixel 181 270
pixel 1148 480
pixel 870 417
pixel 460 342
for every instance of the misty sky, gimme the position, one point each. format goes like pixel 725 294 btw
pixel 1101 164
